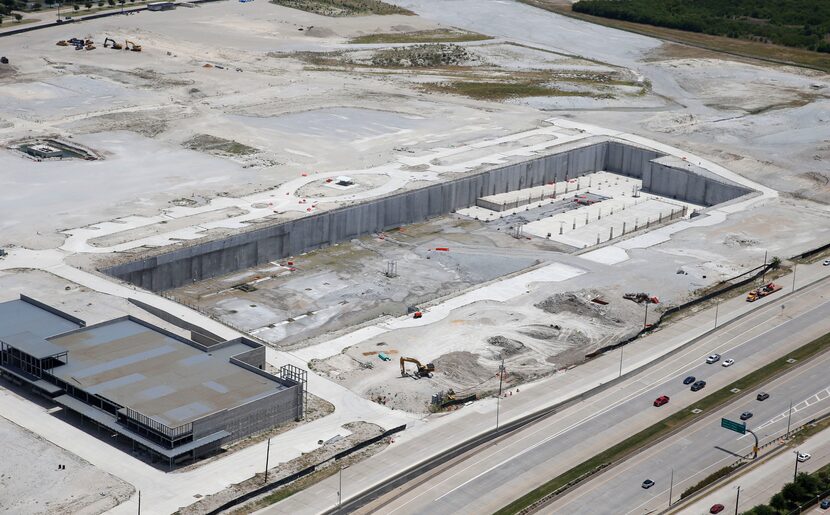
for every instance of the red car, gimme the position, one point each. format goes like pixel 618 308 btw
pixel 659 401
pixel 717 508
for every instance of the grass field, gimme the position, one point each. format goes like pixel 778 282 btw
pixel 670 424
pixel 743 48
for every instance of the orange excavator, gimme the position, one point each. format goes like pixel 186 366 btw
pixel 423 370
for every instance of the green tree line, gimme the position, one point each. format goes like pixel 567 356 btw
pixel 795 23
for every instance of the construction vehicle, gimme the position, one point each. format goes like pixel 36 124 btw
pixel 639 298
pixel 423 370
pixel 763 291
pixel 129 45
pixel 115 46
pixel 62 43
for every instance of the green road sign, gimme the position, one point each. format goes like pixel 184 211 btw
pixel 738 427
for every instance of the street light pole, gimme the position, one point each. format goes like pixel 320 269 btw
pixel 645 319
pixel 789 418
pixel 498 399
pixel 267 456
pixel 795 265
pixel 717 305
pixel 340 489
pixel 737 498
pixel 621 357
pixel 671 486
pixel 795 473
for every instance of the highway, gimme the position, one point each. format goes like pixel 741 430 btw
pixel 488 479
pixel 760 482
pixel 705 447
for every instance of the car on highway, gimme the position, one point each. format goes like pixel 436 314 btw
pixel 825 504
pixel 826 262
pixel 746 415
pixel 698 385
pixel 803 456
pixel 762 396
pixel 648 483
pixel 714 358
pixel 689 380
pixel 716 508
pixel 728 362
pixel 659 401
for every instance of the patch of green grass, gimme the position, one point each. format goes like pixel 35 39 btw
pixel 711 478
pixel 421 36
pixel 663 428
pixel 488 90
pixel 344 7
pixel 286 491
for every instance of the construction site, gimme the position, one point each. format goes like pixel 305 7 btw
pixel 411 211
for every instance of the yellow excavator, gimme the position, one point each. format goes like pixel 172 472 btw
pixel 129 45
pixel 423 370
pixel 114 45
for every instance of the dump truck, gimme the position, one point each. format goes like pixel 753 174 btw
pixel 763 291
pixel 423 370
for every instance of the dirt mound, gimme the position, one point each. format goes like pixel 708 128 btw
pixel 737 240
pixel 422 56
pixel 543 332
pixel 571 303
pixel 462 368
pixel 509 347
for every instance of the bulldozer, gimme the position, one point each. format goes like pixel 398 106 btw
pixel 423 370
pixel 115 46
pixel 129 45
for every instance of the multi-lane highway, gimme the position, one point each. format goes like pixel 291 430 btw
pixel 489 479
pixel 704 447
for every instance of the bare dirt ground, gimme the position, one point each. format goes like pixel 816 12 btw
pixel 32 483
pixel 356 432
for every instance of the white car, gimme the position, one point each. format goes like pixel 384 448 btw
pixel 728 362
pixel 826 262
pixel 803 456
pixel 713 358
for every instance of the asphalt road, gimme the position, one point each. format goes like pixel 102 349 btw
pixel 759 482
pixel 494 477
pixel 704 447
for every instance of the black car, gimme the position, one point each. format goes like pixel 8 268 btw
pixel 648 483
pixel 698 385
pixel 746 415
pixel 689 380
pixel 762 396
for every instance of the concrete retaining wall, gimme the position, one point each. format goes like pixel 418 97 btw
pixel 255 247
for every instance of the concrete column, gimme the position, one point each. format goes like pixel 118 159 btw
pixel 611 234
pixel 623 231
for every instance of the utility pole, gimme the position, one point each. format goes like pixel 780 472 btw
pixel 717 305
pixel 737 498
pixel 671 486
pixel 645 319
pixel 789 418
pixel 498 399
pixel 139 492
pixel 267 455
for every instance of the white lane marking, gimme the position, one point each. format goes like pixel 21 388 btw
pixel 586 419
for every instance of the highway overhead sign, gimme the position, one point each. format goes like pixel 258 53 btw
pixel 738 427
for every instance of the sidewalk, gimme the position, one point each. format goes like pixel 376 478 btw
pixel 443 432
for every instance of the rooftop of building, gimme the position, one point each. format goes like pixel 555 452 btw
pixel 158 374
